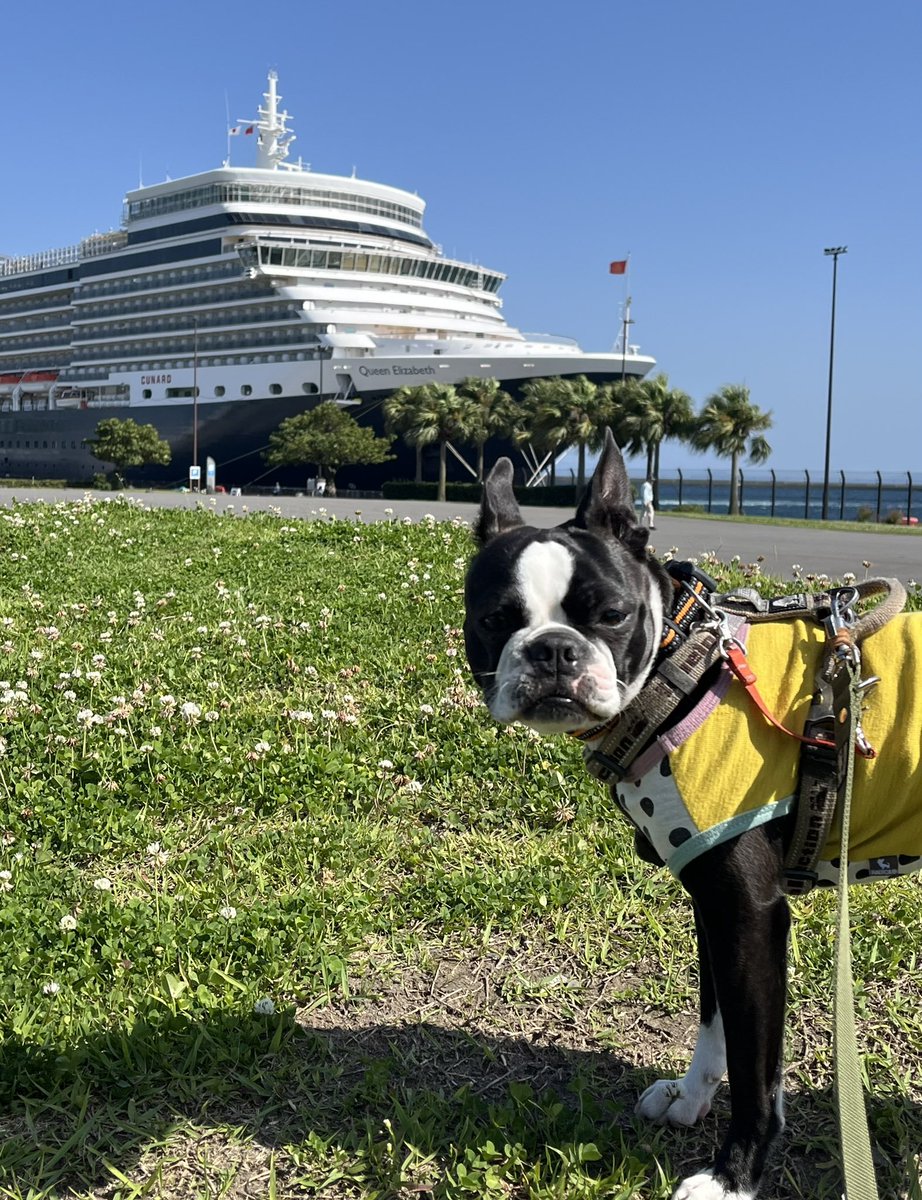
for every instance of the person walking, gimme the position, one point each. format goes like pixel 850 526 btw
pixel 646 496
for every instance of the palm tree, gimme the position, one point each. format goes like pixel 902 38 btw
pixel 399 414
pixel 494 412
pixel 441 414
pixel 568 411
pixel 731 425
pixel 650 412
pixel 538 396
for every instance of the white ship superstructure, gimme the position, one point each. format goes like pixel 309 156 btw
pixel 257 291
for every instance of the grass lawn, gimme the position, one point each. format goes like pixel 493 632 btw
pixel 284 914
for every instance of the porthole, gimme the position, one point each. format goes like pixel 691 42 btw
pixel 219 390
pixel 147 393
pixel 309 389
pixel 246 390
pixel 275 389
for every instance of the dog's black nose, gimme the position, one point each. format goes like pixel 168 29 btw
pixel 556 652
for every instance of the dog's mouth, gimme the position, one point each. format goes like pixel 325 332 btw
pixel 556 713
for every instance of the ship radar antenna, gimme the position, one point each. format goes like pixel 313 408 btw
pixel 274 135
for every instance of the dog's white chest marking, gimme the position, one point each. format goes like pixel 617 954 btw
pixel 542 576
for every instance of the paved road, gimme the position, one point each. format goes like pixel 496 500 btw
pixel 825 550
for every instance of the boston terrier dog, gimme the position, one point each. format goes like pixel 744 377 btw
pixel 562 629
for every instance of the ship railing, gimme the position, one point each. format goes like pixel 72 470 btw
pixel 551 339
pixel 64 256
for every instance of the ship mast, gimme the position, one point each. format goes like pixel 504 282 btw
pixel 274 135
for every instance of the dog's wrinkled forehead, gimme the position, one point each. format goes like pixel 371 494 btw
pixel 537 570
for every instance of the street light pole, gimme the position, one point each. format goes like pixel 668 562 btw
pixel 833 252
pixel 195 397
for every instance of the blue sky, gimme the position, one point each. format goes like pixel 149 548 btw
pixel 723 144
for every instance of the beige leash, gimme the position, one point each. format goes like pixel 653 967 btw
pixel 857 1164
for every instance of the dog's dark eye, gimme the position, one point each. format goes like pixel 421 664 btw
pixel 612 616
pixel 500 620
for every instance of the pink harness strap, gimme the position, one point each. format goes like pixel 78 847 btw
pixel 674 737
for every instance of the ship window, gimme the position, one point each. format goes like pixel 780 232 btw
pixel 73 445
pixel 309 388
pixel 219 390
pixel 246 390
pixel 275 389
pixel 147 393
pixel 44 445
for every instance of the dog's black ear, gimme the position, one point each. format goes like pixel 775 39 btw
pixel 607 508
pixel 498 508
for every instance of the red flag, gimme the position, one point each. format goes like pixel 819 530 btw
pixel 249 129
pixel 618 268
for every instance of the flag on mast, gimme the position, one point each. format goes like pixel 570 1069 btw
pixel 233 131
pixel 619 267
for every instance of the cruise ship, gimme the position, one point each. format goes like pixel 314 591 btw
pixel 234 298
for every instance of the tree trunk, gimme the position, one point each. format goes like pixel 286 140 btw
pixel 480 449
pixel 581 466
pixel 553 468
pixel 654 478
pixel 650 461
pixel 734 484
pixel 443 443
pixel 419 463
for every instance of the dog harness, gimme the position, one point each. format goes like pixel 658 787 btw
pixel 719 771
pixel 697 637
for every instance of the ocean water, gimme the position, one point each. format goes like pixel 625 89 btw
pixel 859 497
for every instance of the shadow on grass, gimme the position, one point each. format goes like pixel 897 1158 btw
pixel 349 1106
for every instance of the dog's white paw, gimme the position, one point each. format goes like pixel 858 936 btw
pixel 706 1187
pixel 674 1102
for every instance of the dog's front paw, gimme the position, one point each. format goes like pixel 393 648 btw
pixel 674 1102
pixel 706 1187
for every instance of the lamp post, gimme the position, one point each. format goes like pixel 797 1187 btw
pixel 195 398
pixel 833 252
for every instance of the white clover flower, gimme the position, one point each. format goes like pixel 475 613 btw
pixel 167 701
pixel 155 731
pixel 385 764
pixel 190 710
pixel 51 989
pixel 264 1007
pixel 69 694
pixel 262 747
pixel 3 746
pixel 426 710
pixel 228 912
pixel 102 884
pixel 68 922
pixel 414 787
pixel 211 715
pixel 153 848
pixel 85 716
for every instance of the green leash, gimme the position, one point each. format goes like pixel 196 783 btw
pixel 857 1164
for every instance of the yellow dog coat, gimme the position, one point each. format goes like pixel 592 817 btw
pixel 724 769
